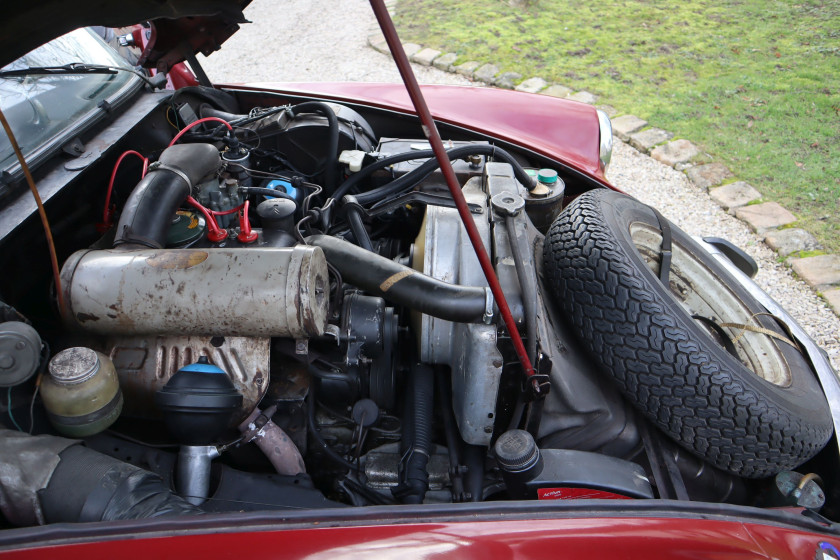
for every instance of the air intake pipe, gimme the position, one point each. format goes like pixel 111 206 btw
pixel 48 479
pixel 148 212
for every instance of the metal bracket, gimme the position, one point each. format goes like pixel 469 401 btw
pixel 489 303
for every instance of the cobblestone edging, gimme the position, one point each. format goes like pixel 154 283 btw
pixel 776 225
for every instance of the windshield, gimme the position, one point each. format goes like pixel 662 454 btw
pixel 42 107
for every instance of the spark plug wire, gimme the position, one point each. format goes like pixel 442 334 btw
pixel 108 212
pixel 214 232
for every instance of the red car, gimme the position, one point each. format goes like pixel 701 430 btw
pixel 346 320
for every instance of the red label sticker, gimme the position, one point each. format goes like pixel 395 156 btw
pixel 577 494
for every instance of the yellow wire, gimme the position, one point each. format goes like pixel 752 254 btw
pixel 41 211
pixel 175 126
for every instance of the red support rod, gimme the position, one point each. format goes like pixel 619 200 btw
pixel 431 132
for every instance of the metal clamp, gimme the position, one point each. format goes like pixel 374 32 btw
pixel 158 166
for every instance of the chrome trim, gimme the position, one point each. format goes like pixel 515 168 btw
pixel 605 147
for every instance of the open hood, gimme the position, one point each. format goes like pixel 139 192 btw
pixel 181 26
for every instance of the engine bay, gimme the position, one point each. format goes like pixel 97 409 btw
pixel 271 303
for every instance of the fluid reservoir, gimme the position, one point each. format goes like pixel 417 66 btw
pixel 215 292
pixel 545 202
pixel 81 393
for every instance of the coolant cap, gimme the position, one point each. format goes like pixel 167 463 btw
pixel 74 365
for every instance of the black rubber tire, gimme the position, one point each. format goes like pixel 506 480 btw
pixel 663 362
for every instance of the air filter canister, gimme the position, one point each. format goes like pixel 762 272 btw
pixel 81 393
pixel 213 292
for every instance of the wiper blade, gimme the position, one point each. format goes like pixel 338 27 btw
pixel 158 81
pixel 72 68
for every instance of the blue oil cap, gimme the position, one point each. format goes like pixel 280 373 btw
pixel 282 186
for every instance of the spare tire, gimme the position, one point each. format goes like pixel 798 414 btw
pixel 753 413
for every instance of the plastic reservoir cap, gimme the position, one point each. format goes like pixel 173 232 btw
pixel 282 186
pixel 203 365
pixel 547 176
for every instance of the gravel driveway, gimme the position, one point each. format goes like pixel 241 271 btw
pixel 304 40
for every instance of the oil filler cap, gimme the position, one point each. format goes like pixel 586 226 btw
pixel 198 403
pixel 516 451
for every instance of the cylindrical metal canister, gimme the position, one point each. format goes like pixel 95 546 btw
pixel 20 353
pixel 81 393
pixel 259 291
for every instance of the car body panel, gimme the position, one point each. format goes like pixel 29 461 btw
pixel 600 537
pixel 556 128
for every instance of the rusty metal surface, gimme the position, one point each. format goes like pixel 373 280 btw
pixel 145 364
pixel 254 292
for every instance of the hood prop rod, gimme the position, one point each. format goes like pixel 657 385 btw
pixel 431 132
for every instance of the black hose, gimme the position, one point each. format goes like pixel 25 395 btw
pixel 357 226
pixel 148 213
pixel 267 192
pixel 450 429
pixel 528 285
pixel 330 175
pixel 417 433
pixel 368 170
pixel 402 285
pixel 411 179
pixel 89 486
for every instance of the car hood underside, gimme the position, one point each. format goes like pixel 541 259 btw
pixel 183 27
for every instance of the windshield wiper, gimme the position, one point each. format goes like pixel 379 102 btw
pixel 72 68
pixel 80 68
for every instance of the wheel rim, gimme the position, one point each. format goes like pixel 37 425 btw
pixel 701 292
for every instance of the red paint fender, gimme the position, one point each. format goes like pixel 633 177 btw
pixel 627 538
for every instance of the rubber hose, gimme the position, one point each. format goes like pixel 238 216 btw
pixel 415 478
pixel 411 179
pixel 402 285
pixel 270 192
pixel 330 175
pixel 357 226
pixel 89 486
pixel 367 170
pixel 147 214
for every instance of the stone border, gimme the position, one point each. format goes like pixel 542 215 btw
pixel 775 224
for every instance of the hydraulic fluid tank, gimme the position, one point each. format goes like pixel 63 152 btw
pixel 215 292
pixel 81 393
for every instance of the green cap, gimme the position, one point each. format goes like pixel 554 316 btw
pixel 547 176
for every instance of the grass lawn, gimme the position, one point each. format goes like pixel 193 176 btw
pixel 756 83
